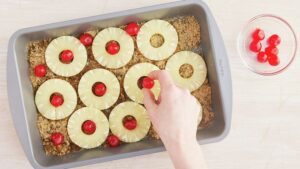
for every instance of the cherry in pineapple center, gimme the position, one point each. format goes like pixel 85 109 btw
pixel 99 89
pixel 66 56
pixel 129 122
pixel 88 127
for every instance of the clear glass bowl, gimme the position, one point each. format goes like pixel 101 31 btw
pixel 271 25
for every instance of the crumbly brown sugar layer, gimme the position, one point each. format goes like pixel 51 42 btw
pixel 188 30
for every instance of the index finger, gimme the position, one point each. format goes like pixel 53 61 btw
pixel 163 77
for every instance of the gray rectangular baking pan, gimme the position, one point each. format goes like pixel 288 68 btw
pixel 21 97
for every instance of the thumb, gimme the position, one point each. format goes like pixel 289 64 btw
pixel 149 101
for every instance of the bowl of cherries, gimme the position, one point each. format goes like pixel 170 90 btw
pixel 267 44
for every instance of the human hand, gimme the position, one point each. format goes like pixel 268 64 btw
pixel 174 115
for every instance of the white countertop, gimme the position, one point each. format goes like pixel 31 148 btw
pixel 265 132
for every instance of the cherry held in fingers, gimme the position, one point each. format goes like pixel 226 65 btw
pixel 147 82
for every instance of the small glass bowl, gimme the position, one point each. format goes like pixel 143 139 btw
pixel 270 24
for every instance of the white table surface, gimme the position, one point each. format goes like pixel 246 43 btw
pixel 265 131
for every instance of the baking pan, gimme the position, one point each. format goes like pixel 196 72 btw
pixel 21 97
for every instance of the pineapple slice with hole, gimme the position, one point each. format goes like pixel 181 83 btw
pixel 129 109
pixel 54 49
pixel 131 81
pixel 119 59
pixel 44 93
pixel 88 140
pixel 85 88
pixel 157 27
pixel 198 65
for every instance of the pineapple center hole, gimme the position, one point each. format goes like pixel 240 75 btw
pixel 129 122
pixel 140 82
pixel 99 89
pixel 56 99
pixel 186 70
pixel 157 40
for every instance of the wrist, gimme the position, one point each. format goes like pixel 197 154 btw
pixel 181 145
pixel 186 154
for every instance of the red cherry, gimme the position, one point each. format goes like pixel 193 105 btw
pixel 262 57
pixel 130 123
pixel 255 46
pixel 40 70
pixel 113 141
pixel 99 89
pixel 88 127
pixel 132 28
pixel 57 138
pixel 274 40
pixel 148 83
pixel 273 60
pixel 112 47
pixel 86 39
pixel 66 56
pixel 57 100
pixel 271 50
pixel 258 35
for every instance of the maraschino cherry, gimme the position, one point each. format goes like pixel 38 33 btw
pixel 66 56
pixel 89 127
pixel 57 138
pixel 56 100
pixel 40 70
pixel 113 141
pixel 132 28
pixel 99 89
pixel 86 39
pixel 112 47
pixel 147 82
pixel 130 123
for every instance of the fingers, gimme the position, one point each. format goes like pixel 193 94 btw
pixel 149 101
pixel 163 77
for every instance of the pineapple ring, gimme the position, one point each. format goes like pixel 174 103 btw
pixel 129 109
pixel 199 69
pixel 44 92
pixel 163 28
pixel 86 83
pixel 122 57
pixel 131 81
pixel 75 127
pixel 66 43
